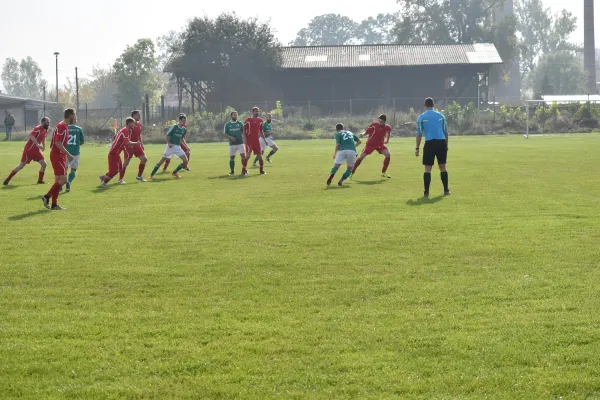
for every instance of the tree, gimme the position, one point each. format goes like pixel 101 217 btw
pixel 134 73
pixel 231 55
pixel 378 30
pixel 459 22
pixel 561 73
pixel 327 29
pixel 23 79
pixel 541 32
pixel 103 87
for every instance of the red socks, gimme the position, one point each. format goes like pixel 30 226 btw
pixel 53 193
pixel 261 162
pixel 12 173
pixel 121 173
pixel 386 164
pixel 41 176
pixel 358 161
pixel 167 164
pixel 141 169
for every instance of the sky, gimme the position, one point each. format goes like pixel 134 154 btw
pixel 87 33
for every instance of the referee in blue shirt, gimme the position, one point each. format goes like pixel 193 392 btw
pixel 433 125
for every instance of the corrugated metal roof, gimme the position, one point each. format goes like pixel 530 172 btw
pixel 388 55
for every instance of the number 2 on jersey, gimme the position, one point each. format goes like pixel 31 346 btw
pixel 72 140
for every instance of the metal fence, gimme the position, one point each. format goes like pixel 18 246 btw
pixel 306 109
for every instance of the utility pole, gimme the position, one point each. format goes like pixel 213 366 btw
pixel 589 47
pixel 77 89
pixel 56 54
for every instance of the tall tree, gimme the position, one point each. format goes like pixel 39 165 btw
pixel 23 79
pixel 561 72
pixel 327 29
pixel 134 73
pixel 103 87
pixel 377 30
pixel 541 32
pixel 234 56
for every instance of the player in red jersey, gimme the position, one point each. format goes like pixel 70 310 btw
pixel 184 147
pixel 33 151
pixel 379 135
pixel 253 132
pixel 58 158
pixel 135 151
pixel 121 140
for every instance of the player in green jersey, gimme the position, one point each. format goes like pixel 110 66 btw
pixel 76 140
pixel 268 131
pixel 345 150
pixel 234 132
pixel 174 137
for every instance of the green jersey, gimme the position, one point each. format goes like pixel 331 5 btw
pixel 76 139
pixel 267 128
pixel 176 133
pixel 347 140
pixel 234 129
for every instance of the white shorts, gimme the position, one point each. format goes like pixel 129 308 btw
pixel 176 151
pixel 346 155
pixel 236 149
pixel 73 164
pixel 269 143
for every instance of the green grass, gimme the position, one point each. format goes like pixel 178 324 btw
pixel 275 287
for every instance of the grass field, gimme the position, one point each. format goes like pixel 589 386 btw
pixel 276 287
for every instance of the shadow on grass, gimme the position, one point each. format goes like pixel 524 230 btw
pixel 27 215
pixel 424 200
pixel 336 187
pixel 100 190
pixel 234 177
pixel 9 187
pixel 378 182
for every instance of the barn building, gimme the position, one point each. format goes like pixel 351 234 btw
pixel 360 78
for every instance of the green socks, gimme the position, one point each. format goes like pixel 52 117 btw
pixel 232 165
pixel 155 170
pixel 71 177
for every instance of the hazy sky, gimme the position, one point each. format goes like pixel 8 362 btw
pixel 95 32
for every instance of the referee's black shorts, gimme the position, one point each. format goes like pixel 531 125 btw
pixel 433 149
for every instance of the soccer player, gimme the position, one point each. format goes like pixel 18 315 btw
pixel 432 124
pixel 345 150
pixel 379 135
pixel 186 150
pixel 267 129
pixel 33 151
pixel 135 151
pixel 76 140
pixel 58 158
pixel 233 131
pixel 174 137
pixel 121 140
pixel 253 132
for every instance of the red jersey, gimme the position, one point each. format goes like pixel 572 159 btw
pixel 136 132
pixel 253 127
pixel 60 135
pixel 40 135
pixel 119 142
pixel 377 133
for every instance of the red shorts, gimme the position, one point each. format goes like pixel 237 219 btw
pixel 34 154
pixel 135 151
pixel 370 148
pixel 185 148
pixel 114 164
pixel 59 164
pixel 253 147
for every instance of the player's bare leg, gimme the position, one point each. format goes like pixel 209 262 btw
pixel 157 166
pixel 14 172
pixel 141 167
pixel 184 162
pixel 386 163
